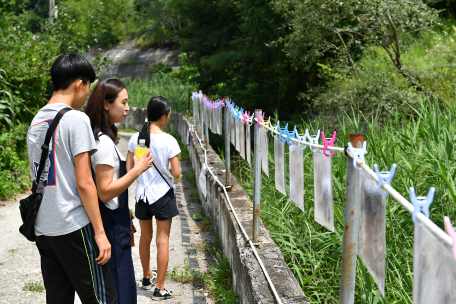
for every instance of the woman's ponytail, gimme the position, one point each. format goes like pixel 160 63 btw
pixel 145 134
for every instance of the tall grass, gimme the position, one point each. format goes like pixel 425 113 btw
pixel 172 88
pixel 421 146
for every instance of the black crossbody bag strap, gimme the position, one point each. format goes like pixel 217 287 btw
pixel 45 147
pixel 162 175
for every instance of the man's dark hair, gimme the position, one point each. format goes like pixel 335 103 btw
pixel 68 68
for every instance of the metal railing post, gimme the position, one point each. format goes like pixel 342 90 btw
pixel 227 147
pixel 256 179
pixel 351 217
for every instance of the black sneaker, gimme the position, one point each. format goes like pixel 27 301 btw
pixel 147 282
pixel 162 295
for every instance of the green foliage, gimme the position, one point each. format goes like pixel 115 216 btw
pixel 337 29
pixel 27 58
pixel 218 278
pixel 159 22
pixel 227 42
pixel 9 104
pixel 197 217
pixel 166 85
pixel 14 164
pixel 185 274
pixel 187 71
pixel 33 286
pixel 115 18
pixel 25 62
pixel 422 148
pixel 382 87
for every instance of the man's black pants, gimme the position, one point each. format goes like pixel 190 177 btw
pixel 68 265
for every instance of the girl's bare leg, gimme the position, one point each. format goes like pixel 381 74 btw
pixel 163 230
pixel 144 246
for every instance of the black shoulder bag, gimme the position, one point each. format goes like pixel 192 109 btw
pixel 30 205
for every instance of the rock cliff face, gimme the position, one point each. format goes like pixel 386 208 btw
pixel 132 61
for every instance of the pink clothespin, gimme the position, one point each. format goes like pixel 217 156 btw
pixel 450 230
pixel 259 120
pixel 328 143
pixel 248 120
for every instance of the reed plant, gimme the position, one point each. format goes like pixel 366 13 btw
pixel 160 84
pixel 422 147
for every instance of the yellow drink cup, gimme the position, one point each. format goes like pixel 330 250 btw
pixel 140 151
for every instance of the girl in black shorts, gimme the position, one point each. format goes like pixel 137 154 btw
pixel 155 191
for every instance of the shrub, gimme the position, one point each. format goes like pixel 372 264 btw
pixel 382 88
pixel 14 163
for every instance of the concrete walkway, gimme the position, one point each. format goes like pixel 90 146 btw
pixel 20 261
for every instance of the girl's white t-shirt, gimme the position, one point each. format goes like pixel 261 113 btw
pixel 107 155
pixel 151 185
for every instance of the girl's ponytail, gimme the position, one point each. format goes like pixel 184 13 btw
pixel 157 107
pixel 145 133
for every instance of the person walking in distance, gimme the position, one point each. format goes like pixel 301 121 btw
pixel 70 237
pixel 155 191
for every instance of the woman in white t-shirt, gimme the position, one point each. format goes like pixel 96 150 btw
pixel 155 191
pixel 107 105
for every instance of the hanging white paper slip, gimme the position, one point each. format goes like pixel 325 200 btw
pixel 195 113
pixel 372 226
pixel 434 269
pixel 242 136
pixel 248 146
pixel 219 122
pixel 279 159
pixel 264 152
pixel 202 180
pixel 214 121
pixel 296 176
pixel 323 195
pixel 232 130
pixel 211 122
pixel 238 135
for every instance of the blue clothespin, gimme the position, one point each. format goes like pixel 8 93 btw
pixel 384 178
pixel 232 108
pixel 300 139
pixel 240 115
pixel 283 131
pixel 312 139
pixel 421 203
pixel 290 136
pixel 357 154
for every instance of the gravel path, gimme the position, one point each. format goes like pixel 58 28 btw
pixel 20 260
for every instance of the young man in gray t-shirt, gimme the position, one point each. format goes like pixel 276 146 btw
pixel 71 240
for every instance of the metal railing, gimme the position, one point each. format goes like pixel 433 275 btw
pixel 352 201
